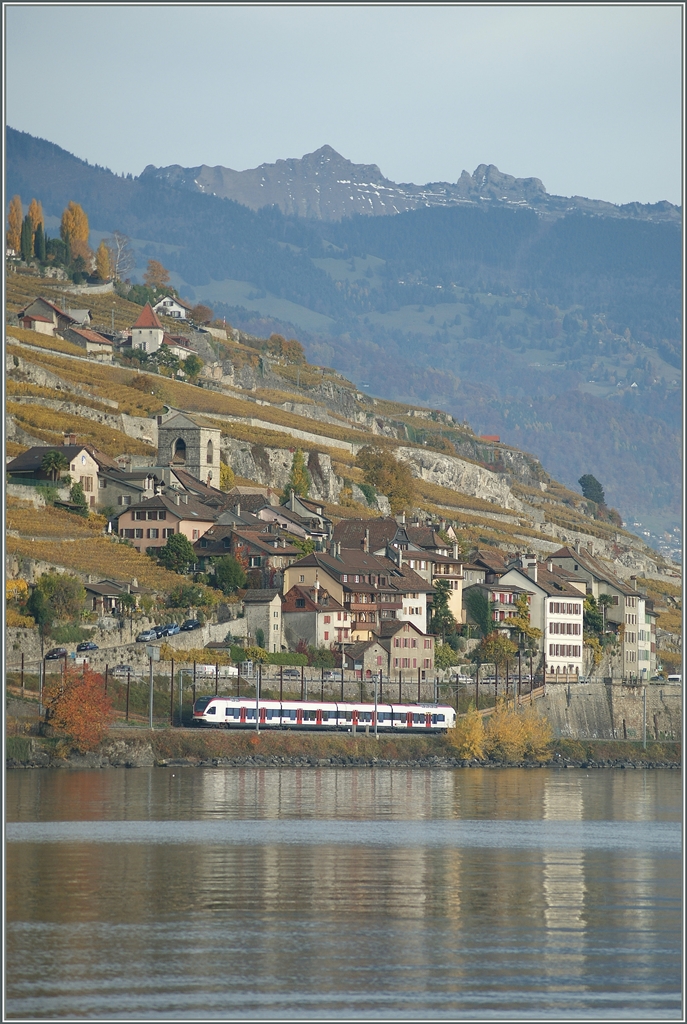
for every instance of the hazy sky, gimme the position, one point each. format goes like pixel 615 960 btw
pixel 587 98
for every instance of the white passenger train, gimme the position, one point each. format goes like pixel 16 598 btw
pixel 240 712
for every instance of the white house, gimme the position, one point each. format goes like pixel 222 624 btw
pixel 170 306
pixel 147 333
pixel 556 608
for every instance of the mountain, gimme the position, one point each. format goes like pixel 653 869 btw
pixel 561 334
pixel 326 186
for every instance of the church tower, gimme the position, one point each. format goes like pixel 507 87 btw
pixel 186 443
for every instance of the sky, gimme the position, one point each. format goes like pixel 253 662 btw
pixel 585 97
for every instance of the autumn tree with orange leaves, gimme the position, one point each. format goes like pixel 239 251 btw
pixel 74 230
pixel 14 222
pixel 76 704
pixel 156 276
pixel 35 214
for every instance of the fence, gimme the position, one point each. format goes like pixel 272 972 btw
pixel 175 687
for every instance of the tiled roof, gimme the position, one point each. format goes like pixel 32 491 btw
pixel 191 509
pixel 91 336
pixel 305 594
pixel 33 457
pixel 260 596
pixel 33 316
pixel 350 533
pixel 148 318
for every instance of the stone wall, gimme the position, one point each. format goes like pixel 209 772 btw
pixel 612 710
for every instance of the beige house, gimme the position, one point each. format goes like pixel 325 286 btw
pixel 151 522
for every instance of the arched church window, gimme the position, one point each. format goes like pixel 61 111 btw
pixel 179 454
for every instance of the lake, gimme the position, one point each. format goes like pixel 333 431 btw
pixel 344 893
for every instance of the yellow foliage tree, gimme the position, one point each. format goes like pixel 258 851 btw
pixel 16 590
pixel 14 220
pixel 74 225
pixel 103 262
pixel 36 214
pixel 513 735
pixel 468 735
pixel 226 477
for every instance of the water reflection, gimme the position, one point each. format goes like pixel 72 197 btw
pixel 519 901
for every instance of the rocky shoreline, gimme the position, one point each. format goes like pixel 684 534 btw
pixel 122 755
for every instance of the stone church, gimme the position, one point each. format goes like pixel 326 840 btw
pixel 191 445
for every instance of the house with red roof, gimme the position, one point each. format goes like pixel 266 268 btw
pixel 41 313
pixel 147 333
pixel 95 344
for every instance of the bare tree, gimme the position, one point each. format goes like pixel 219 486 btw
pixel 123 258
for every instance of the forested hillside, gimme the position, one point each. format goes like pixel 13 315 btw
pixel 563 336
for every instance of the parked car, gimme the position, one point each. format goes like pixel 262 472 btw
pixel 159 632
pixel 292 673
pixel 146 636
pixel 171 629
pixel 56 653
pixel 87 645
pixel 122 670
pixel 332 675
pixel 190 624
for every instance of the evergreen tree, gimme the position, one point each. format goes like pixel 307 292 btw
pixel 229 574
pixel 78 498
pixel 442 619
pixel 177 554
pixel 26 240
pixel 39 243
pixel 592 489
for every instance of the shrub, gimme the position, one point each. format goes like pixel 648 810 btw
pixel 77 704
pixel 513 735
pixel 468 735
pixel 70 634
pixel 16 619
pixel 538 735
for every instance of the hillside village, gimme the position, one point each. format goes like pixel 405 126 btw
pixel 178 469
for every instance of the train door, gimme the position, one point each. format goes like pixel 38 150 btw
pixel 299 716
pixel 263 715
pixel 428 721
pixel 409 719
pixel 355 717
pixel 243 716
pixel 373 719
pixel 318 720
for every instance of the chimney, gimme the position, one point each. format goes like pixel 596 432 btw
pixel 237 510
pixel 134 582
pixel 292 502
pixel 400 558
pixel 549 566
pixel 128 588
pixel 283 542
pixel 366 543
pixel 176 498
pixel 455 550
pixel 403 519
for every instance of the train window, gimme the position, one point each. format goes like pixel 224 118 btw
pixel 201 703
pixel 325 716
pixel 211 711
pixel 399 717
pixel 417 718
pixel 269 714
pixel 231 712
pixel 348 717
pixel 440 718
pixel 250 713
